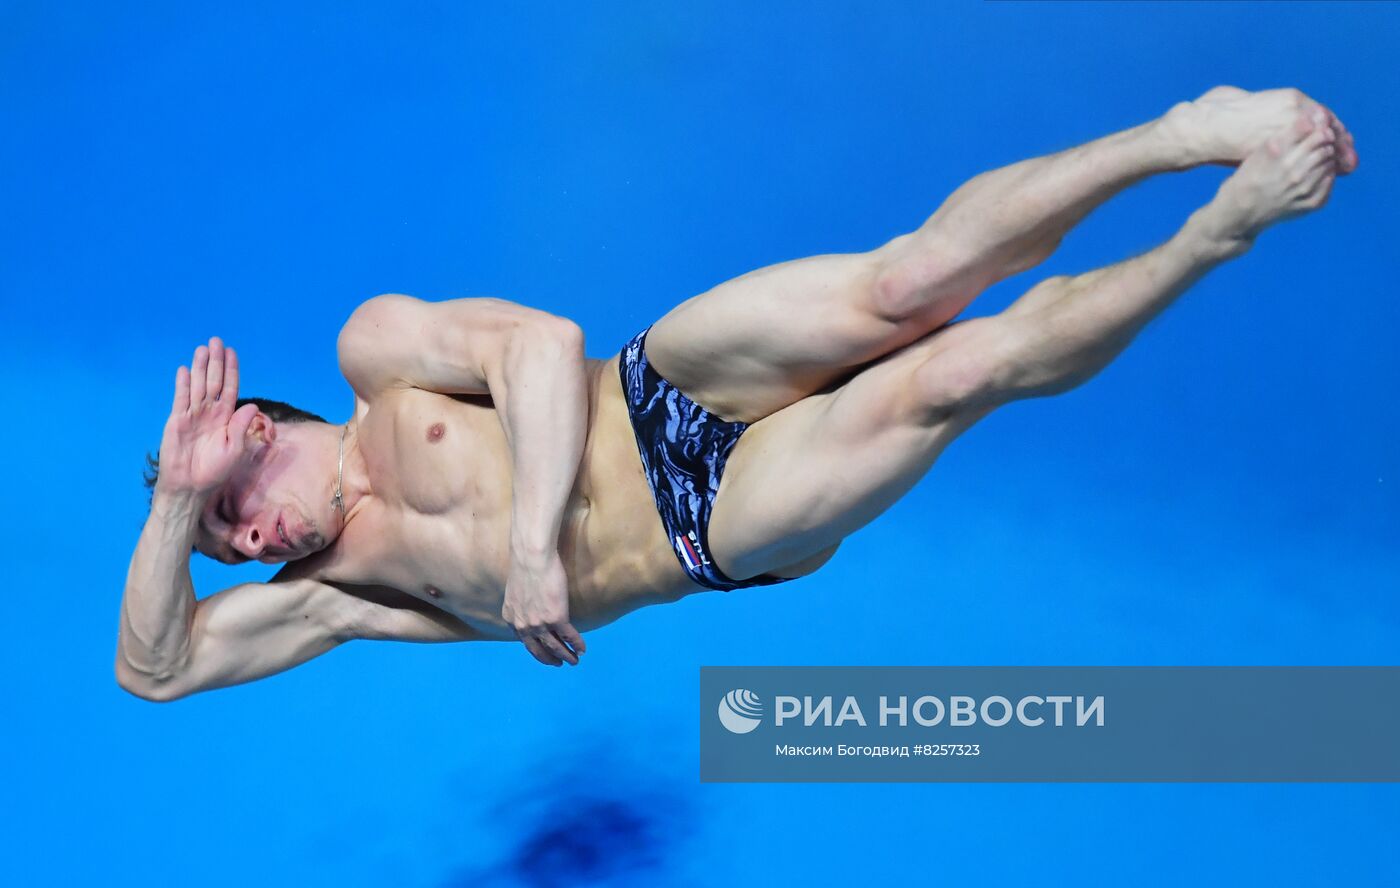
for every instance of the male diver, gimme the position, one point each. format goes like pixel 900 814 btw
pixel 493 483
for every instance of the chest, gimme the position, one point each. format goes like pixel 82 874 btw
pixel 437 527
pixel 435 455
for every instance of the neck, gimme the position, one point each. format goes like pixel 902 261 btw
pixel 355 489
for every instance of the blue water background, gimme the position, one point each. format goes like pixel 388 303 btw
pixel 1225 493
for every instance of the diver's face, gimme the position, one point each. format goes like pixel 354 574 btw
pixel 275 506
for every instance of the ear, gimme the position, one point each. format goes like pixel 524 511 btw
pixel 262 428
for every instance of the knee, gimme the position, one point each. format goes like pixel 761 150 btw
pixel 914 272
pixel 974 370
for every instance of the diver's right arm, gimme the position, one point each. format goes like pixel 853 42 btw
pixel 168 644
pixel 199 448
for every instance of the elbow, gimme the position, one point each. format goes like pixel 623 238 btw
pixel 562 333
pixel 151 691
pixel 150 688
pixel 540 335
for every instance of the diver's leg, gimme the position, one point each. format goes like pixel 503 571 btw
pixel 762 341
pixel 802 479
pixel 1017 215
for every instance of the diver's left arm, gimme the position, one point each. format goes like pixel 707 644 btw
pixel 541 394
pixel 531 363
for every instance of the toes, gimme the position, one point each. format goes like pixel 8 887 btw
pixel 1324 157
pixel 1321 168
pixel 1308 131
pixel 1346 146
pixel 1304 156
pixel 1316 139
pixel 1301 138
pixel 1346 154
pixel 1338 131
pixel 1320 191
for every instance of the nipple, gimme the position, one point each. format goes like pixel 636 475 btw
pixel 435 432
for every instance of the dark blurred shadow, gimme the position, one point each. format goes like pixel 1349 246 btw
pixel 596 819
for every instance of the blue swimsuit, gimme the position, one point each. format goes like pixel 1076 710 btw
pixel 684 448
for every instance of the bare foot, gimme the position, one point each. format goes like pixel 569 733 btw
pixel 1290 174
pixel 1227 124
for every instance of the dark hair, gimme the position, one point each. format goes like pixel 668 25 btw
pixel 277 411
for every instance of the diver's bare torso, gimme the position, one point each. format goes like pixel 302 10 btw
pixel 437 525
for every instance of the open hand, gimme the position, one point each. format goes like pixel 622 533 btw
pixel 537 606
pixel 204 436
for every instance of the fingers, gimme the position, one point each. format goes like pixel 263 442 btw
pixel 569 635
pixel 558 648
pixel 539 651
pixel 212 375
pixel 181 403
pixel 230 390
pixel 554 645
pixel 214 381
pixel 199 376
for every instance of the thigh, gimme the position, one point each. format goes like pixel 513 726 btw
pixel 762 341
pixel 802 479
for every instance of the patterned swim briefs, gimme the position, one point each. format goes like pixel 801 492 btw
pixel 684 448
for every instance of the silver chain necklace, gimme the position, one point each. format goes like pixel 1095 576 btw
pixel 337 501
